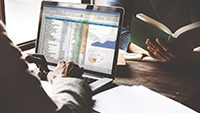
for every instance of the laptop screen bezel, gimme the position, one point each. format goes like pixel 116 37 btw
pixel 91 7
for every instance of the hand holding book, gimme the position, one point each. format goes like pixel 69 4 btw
pixel 161 50
pixel 160 42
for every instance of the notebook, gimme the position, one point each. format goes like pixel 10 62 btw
pixel 88 35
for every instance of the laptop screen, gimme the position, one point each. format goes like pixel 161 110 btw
pixel 86 37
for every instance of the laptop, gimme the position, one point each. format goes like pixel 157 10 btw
pixel 88 35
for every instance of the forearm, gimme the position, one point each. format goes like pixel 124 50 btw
pixel 72 94
pixel 22 92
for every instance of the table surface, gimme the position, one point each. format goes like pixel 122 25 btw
pixel 176 82
pixel 180 83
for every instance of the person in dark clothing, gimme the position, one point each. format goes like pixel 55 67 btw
pixel 21 90
pixel 172 13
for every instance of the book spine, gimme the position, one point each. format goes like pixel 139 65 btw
pixel 168 38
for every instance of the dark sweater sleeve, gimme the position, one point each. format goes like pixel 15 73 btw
pixel 72 94
pixel 21 91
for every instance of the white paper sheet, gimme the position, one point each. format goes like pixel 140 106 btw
pixel 136 99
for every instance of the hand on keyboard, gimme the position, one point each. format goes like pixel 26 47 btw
pixel 64 69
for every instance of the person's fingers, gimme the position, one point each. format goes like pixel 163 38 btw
pixel 162 44
pixel 61 68
pixel 43 61
pixel 165 47
pixel 157 50
pixel 70 65
pixel 157 54
pixel 64 72
pixel 61 64
pixel 32 59
pixel 39 60
pixel 151 55
pixel 64 69
pixel 36 60
pixel 72 70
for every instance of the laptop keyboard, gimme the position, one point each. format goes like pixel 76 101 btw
pixel 88 80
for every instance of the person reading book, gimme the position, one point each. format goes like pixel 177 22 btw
pixel 172 13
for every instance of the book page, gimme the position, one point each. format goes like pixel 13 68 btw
pixel 150 59
pixel 154 23
pixel 130 56
pixel 186 28
pixel 121 60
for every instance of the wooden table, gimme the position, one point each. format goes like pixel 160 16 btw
pixel 179 83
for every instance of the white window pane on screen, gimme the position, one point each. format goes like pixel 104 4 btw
pixel 22 17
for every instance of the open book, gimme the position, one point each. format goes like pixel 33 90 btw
pixel 144 27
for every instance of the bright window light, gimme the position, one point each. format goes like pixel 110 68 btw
pixel 22 17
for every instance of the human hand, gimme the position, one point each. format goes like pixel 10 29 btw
pixel 167 53
pixel 40 62
pixel 64 69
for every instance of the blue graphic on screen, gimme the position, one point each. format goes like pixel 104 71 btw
pixel 107 44
pixel 103 40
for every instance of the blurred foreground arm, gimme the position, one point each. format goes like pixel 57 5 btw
pixel 21 92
